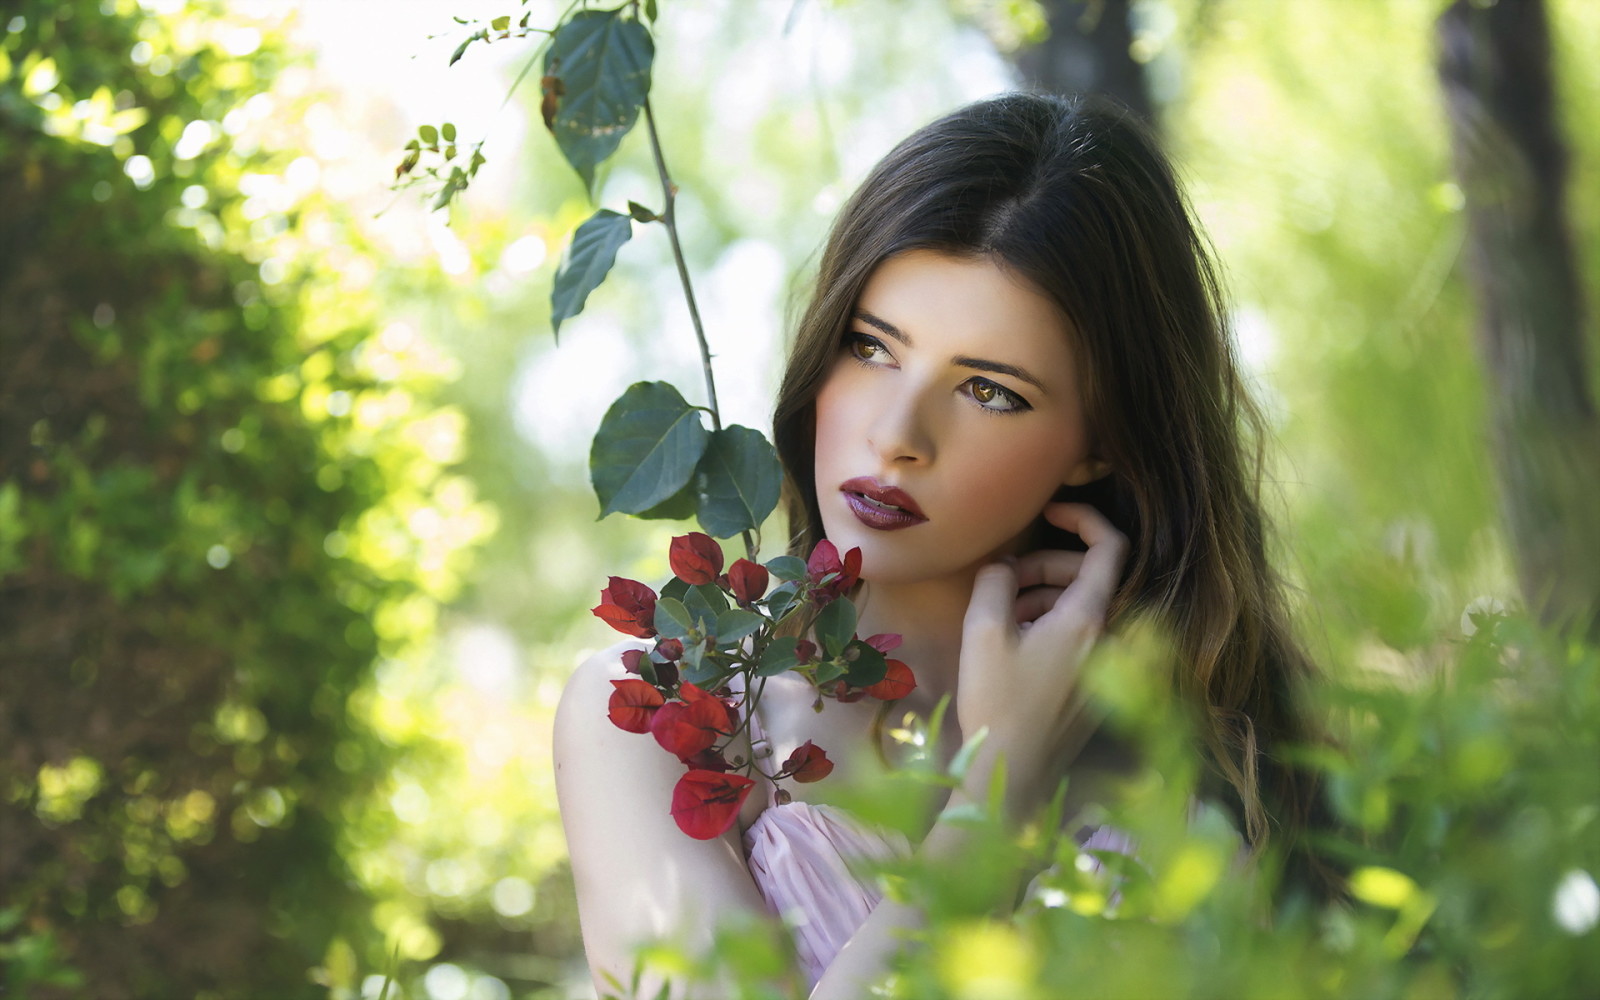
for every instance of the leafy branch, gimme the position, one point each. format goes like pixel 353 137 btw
pixel 653 457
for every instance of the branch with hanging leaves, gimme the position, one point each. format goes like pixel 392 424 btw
pixel 653 457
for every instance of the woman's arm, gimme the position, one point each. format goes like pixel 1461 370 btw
pixel 1021 687
pixel 638 877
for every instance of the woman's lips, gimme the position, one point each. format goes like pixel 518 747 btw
pixel 885 508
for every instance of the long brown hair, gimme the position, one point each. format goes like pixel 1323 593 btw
pixel 1076 197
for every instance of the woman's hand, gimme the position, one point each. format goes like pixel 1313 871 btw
pixel 1021 656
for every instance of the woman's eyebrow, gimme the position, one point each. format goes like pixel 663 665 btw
pixel 963 361
pixel 884 325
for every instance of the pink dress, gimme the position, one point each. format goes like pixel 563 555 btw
pixel 813 864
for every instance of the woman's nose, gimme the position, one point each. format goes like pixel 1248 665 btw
pixel 902 429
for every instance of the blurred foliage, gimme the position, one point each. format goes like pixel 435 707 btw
pixel 225 498
pixel 263 389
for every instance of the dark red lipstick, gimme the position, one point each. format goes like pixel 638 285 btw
pixel 884 508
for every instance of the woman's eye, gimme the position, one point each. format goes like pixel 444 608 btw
pixel 995 398
pixel 866 349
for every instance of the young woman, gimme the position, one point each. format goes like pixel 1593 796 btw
pixel 1014 392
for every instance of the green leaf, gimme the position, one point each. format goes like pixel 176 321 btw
pixel 638 213
pixel 739 480
pixel 787 568
pixel 675 589
pixel 429 134
pixel 448 130
pixel 646 448
pixel 672 618
pixel 737 623
pixel 678 507
pixel 603 59
pixel 705 603
pixel 836 625
pixel 829 671
pixel 501 23
pixel 587 262
pixel 869 666
pixel 778 657
pixel 781 599
pixel 650 10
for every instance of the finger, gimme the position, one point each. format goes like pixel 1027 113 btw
pixel 994 596
pixel 1036 601
pixel 1101 568
pixel 1055 567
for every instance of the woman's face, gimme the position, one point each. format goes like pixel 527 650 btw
pixel 955 385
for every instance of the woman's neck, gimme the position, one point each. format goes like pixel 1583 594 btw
pixel 928 615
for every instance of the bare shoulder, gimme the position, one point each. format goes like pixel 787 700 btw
pixel 638 877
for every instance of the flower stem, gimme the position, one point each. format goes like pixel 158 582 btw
pixel 669 193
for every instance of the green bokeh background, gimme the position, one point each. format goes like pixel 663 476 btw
pixel 297 547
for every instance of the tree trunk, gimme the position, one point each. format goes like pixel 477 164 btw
pixel 1494 66
pixel 1087 52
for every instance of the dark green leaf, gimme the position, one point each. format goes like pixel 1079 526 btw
pixel 675 589
pixel 781 599
pixel 829 670
pixel 603 59
pixel 697 667
pixel 641 214
pixel 868 667
pixel 587 262
pixel 787 567
pixel 678 507
pixel 737 623
pixel 650 10
pixel 672 618
pixel 646 448
pixel 705 603
pixel 836 625
pixel 738 479
pixel 778 657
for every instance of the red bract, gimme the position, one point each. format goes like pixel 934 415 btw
pixel 670 649
pixel 805 651
pixel 897 682
pixel 631 659
pixel 686 729
pixel 705 803
pixel 845 694
pixel 633 704
pixel 747 580
pixel 824 562
pixel 628 606
pixel 708 760
pixel 808 763
pixel 884 642
pixel 696 558
pixel 692 693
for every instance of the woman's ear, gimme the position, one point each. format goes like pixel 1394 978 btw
pixel 1087 471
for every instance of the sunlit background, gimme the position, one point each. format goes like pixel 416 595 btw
pixel 1312 138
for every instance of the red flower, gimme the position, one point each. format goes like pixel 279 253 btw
pixel 670 649
pixel 696 558
pixel 633 704
pixel 884 642
pixel 831 577
pixel 747 580
pixel 845 694
pixel 897 682
pixel 805 651
pixel 808 763
pixel 631 659
pixel 628 606
pixel 687 727
pixel 705 803
pixel 708 760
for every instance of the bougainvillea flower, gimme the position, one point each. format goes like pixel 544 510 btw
pixel 685 729
pixel 825 562
pixel 708 760
pixel 705 803
pixel 696 558
pixel 748 580
pixel 634 704
pixel 670 649
pixel 805 651
pixel 897 682
pixel 692 693
pixel 884 642
pixel 631 659
pixel 808 763
pixel 845 694
pixel 628 606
